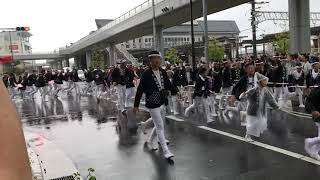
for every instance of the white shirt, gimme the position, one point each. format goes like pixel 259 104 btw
pixel 307 67
pixel 188 76
pixel 296 74
pixel 202 78
pixel 157 74
pixel 314 74
pixel 202 88
pixel 250 83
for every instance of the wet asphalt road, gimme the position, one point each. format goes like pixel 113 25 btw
pixel 86 131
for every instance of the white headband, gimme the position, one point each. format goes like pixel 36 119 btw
pixel 154 55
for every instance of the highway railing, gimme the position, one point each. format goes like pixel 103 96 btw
pixel 138 9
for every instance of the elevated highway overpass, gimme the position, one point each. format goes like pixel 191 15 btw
pixel 138 22
pixel 37 56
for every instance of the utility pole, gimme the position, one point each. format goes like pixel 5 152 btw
pixel 194 66
pixel 154 27
pixel 254 29
pixel 206 36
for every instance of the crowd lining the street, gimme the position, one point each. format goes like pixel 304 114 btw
pixel 244 86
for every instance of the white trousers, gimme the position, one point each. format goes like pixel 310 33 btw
pixel 43 91
pixel 99 91
pixel 14 92
pixel 172 107
pixel 69 86
pixel 129 94
pixel 277 92
pixel 313 144
pixel 77 88
pixel 282 96
pixel 30 90
pixel 57 89
pixel 33 90
pixel 158 117
pixel 50 88
pixel 87 88
pixel 121 90
pixel 211 104
pixel 225 91
pixel 197 102
pixel 299 92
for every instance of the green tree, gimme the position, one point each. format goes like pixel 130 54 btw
pixel 216 50
pixel 77 175
pixel 12 67
pixel 281 43
pixel 97 58
pixel 172 56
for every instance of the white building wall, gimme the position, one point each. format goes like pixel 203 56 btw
pixel 146 42
pixel 18 44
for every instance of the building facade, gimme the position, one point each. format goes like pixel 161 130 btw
pixel 227 32
pixel 180 35
pixel 15 43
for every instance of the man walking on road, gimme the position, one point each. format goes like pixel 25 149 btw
pixel 156 85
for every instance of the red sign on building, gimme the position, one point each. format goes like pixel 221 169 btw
pixel 13 47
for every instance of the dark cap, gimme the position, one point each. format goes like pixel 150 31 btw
pixel 154 54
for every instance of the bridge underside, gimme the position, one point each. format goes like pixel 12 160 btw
pixel 135 27
pixel 177 17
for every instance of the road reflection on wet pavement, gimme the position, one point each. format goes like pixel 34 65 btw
pixel 86 131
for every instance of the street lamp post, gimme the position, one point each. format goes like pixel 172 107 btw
pixel 254 28
pixel 192 38
pixel 206 36
pixel 154 27
pixel 11 51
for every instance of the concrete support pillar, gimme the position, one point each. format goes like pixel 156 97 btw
pixel 60 66
pixel 88 59
pixel 237 46
pixel 299 22
pixel 67 62
pixel 112 54
pixel 160 40
pixel 319 44
pixel 106 57
pixel 55 65
pixel 231 51
pixel 246 50
pixel 77 61
pixel 205 34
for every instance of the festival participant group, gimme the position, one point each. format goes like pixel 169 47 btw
pixel 244 86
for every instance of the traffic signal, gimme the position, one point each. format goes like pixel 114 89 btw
pixel 23 28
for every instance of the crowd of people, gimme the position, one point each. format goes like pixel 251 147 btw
pixel 245 86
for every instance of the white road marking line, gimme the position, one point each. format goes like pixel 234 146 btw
pixel 175 118
pixel 309 159
pixel 256 143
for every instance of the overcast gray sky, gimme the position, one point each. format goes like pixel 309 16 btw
pixel 57 23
